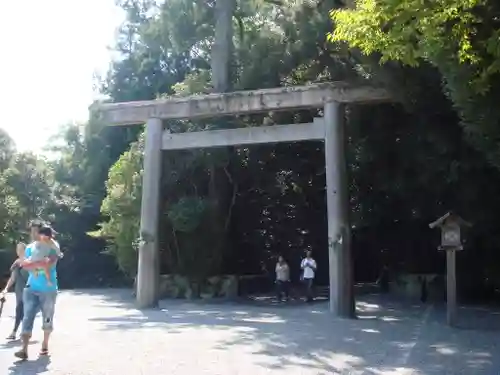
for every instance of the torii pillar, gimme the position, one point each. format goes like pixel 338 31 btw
pixel 337 196
pixel 148 272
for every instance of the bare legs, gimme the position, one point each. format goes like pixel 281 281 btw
pixel 25 339
pixel 45 342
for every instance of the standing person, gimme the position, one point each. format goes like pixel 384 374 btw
pixel 308 266
pixel 40 294
pixel 18 279
pixel 282 278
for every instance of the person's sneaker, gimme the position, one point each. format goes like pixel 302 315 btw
pixel 11 337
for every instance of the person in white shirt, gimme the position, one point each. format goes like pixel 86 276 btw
pixel 308 266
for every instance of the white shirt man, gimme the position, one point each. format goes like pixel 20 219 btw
pixel 308 266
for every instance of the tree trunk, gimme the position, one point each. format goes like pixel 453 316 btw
pixel 222 49
pixel 221 64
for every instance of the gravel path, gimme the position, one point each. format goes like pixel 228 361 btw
pixel 99 333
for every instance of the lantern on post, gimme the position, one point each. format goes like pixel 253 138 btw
pixel 451 242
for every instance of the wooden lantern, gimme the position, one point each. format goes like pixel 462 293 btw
pixel 450 225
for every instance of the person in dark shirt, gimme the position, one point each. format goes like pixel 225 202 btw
pixel 18 279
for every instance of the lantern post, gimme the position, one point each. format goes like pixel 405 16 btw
pixel 451 242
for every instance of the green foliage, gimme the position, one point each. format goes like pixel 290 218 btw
pixel 26 193
pixel 457 32
pixel 194 83
pixel 186 214
pixel 7 150
pixel 122 207
pixel 460 38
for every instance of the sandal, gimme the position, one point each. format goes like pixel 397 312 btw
pixel 22 355
pixel 44 351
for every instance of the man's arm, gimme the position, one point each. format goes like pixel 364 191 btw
pixel 16 264
pixel 29 265
pixel 10 282
pixel 26 263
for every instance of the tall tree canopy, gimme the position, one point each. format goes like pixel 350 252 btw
pixel 461 38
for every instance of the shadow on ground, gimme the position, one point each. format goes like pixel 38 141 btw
pixel 389 337
pixel 15 343
pixel 32 367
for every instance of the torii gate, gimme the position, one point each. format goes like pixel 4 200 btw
pixel 329 128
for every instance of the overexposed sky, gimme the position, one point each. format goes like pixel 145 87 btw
pixel 51 50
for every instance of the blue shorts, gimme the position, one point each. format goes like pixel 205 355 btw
pixel 38 301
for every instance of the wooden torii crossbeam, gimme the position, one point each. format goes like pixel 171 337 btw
pixel 238 102
pixel 330 129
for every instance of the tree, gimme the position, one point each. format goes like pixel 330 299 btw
pixel 122 207
pixel 9 206
pixel 460 38
pixel 28 181
pixel 7 150
pixel 25 193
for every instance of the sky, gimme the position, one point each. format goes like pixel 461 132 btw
pixel 51 51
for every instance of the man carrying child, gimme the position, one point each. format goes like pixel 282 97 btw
pixel 41 289
pixel 41 251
